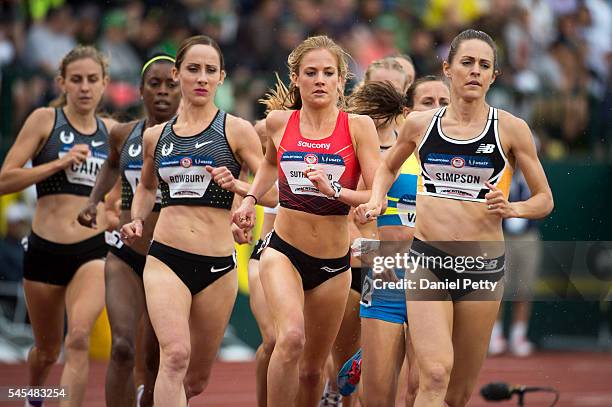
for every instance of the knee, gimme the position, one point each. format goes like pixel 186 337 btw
pixel 122 351
pixel 175 358
pixel 196 384
pixel 291 344
pixel 267 346
pixel 48 355
pixel 77 339
pixel 435 375
pixel 458 397
pixel 310 376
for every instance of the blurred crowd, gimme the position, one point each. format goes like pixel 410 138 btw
pixel 555 56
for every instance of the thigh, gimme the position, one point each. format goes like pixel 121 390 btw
pixel 168 303
pixel 124 295
pixel 323 310
pixel 258 303
pixel 382 343
pixel 45 303
pixel 210 313
pixel 473 322
pixel 282 286
pixel 85 295
pixel 430 325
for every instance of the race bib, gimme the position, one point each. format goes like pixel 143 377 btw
pixel 294 164
pixel 113 239
pixel 458 175
pixel 406 210
pixel 86 172
pixel 186 176
pixel 132 174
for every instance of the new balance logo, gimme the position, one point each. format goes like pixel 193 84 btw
pixel 485 148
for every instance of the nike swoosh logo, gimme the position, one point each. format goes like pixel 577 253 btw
pixel 96 143
pixel 331 270
pixel 216 270
pixel 198 145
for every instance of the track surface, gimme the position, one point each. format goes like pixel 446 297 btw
pixel 584 379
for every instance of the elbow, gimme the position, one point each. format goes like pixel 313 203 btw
pixel 550 203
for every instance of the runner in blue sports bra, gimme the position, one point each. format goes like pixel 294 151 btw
pixel 466 152
pixel 63 262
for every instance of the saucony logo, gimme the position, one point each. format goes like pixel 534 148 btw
pixel 213 269
pixel 134 150
pixel 199 145
pixel 167 150
pixel 331 270
pixel 66 139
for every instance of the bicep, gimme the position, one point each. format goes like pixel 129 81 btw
pixel 249 149
pixel 149 177
pixel 367 151
pixel 527 160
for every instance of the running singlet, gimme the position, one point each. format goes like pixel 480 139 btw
pixel 181 163
pixel 334 155
pixel 401 198
pixel 131 167
pixel 77 179
pixel 458 169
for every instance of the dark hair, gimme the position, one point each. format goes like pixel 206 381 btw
pixel 472 34
pixel 379 100
pixel 412 89
pixel 158 58
pixel 197 40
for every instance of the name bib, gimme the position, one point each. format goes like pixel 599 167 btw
pixel 186 176
pixel 132 174
pixel 86 172
pixel 294 164
pixel 458 175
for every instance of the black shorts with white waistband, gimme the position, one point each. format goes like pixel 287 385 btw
pixel 314 271
pixel 125 253
pixel 56 263
pixel 195 271
pixel 465 282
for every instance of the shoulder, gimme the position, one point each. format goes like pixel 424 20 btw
pixel 44 114
pixel 359 120
pixel 276 119
pixel 237 124
pixel 508 122
pixel 120 132
pixel 40 122
pixel 151 135
pixel 422 118
pixel 109 122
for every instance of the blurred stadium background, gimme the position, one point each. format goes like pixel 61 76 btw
pixel 555 58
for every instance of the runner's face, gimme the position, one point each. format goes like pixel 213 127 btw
pixel 472 71
pixel 83 84
pixel 318 79
pixel 200 74
pixel 160 92
pixel 431 95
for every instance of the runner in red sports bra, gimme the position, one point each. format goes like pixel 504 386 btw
pixel 320 152
pixel 334 155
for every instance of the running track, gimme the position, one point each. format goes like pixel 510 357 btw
pixel 584 379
